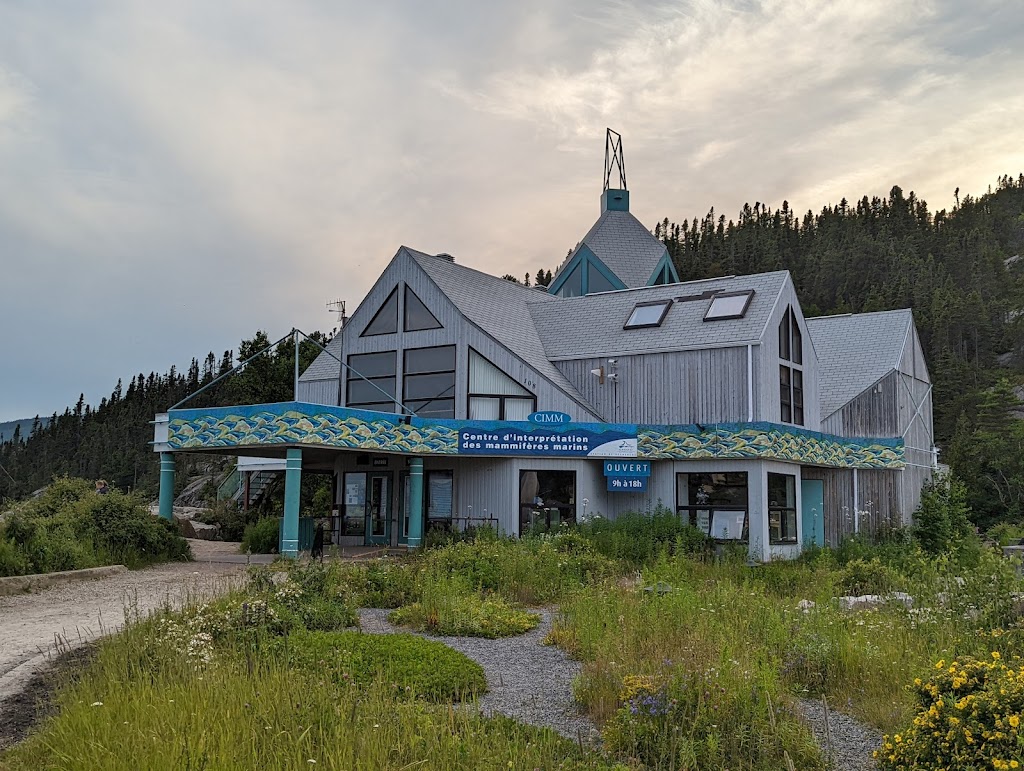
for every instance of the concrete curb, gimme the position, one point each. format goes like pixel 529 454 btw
pixel 37 581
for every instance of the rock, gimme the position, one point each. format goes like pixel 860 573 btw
pixel 659 588
pixel 863 602
pixel 805 605
pixel 203 531
pixel 901 597
pixel 192 495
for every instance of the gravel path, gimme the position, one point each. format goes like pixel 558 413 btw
pixel 35 626
pixel 851 741
pixel 526 680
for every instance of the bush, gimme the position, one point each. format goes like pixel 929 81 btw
pixel 639 538
pixel 262 537
pixel 1006 533
pixel 942 521
pixel 379 583
pixel 229 517
pixel 451 608
pixel 968 716
pixel 414 665
pixel 70 527
pixel 861 576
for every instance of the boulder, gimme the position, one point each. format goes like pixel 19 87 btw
pixel 805 605
pixel 203 531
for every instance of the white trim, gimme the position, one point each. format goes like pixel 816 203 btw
pixel 750 383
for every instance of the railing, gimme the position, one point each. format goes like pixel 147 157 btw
pixel 228 489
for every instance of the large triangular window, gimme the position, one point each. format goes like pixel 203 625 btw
pixel 493 395
pixel 417 315
pixel 385 322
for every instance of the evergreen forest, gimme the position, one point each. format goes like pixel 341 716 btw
pixel 962 272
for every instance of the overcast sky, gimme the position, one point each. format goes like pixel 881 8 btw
pixel 175 176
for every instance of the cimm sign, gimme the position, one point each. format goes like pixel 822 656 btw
pixel 549 418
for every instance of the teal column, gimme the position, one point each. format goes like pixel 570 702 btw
pixel 292 488
pixel 415 503
pixel 167 485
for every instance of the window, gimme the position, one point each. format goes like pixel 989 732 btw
pixel 385 322
pixel 648 314
pixel 546 499
pixel 493 395
pixel 791 342
pixel 664 277
pixel 715 503
pixel 728 305
pixel 438 489
pixel 782 508
pixel 791 379
pixel 573 286
pixel 429 381
pixel 597 281
pixel 371 381
pixel 417 315
pixel 353 505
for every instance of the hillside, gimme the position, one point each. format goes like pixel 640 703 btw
pixel 24 427
pixel 959 270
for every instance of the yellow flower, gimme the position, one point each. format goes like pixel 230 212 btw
pixel 1014 720
pixel 995 654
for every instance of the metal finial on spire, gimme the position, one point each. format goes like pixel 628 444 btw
pixel 614 158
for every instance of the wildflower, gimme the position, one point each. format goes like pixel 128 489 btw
pixel 97 704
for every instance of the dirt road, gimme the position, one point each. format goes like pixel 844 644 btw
pixel 34 626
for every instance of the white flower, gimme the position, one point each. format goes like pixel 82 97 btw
pixel 97 704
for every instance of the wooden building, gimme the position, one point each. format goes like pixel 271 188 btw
pixel 720 401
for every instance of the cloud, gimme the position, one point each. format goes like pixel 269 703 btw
pixel 177 176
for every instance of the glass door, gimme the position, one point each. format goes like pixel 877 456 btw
pixel 378 509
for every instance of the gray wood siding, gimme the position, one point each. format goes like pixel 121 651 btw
pixel 914 406
pixel 319 391
pixel 457 330
pixel 873 412
pixel 707 386
pixel 878 500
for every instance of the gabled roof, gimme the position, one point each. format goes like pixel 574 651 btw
pixel 325 366
pixel 855 351
pixel 592 326
pixel 499 308
pixel 624 245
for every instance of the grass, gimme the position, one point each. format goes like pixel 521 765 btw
pixel 688 661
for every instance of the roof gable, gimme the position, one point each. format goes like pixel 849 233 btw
pixel 623 245
pixel 500 308
pixel 855 351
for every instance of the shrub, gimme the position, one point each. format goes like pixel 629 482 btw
pixel 229 517
pixel 705 720
pixel 69 527
pixel 1006 533
pixel 379 583
pixel 861 576
pixel 942 520
pixel 414 665
pixel 262 536
pixel 450 608
pixel 639 538
pixel 968 716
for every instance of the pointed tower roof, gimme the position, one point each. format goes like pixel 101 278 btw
pixel 618 252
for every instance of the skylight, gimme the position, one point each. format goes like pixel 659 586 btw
pixel 648 314
pixel 729 305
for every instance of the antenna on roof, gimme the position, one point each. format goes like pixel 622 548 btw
pixel 338 306
pixel 613 158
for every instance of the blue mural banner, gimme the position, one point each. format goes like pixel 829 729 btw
pixel 627 484
pixel 290 424
pixel 594 441
pixel 635 468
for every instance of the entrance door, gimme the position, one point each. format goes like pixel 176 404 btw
pixel 378 509
pixel 812 505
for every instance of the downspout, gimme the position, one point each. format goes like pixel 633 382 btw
pixel 856 504
pixel 750 383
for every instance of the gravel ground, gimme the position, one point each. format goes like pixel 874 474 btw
pixel 527 680
pixel 38 625
pixel 852 742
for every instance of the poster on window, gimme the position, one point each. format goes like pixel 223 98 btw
pixel 615 441
pixel 440 497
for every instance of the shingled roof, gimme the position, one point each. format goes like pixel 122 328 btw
pixel 624 245
pixel 592 326
pixel 855 351
pixel 325 366
pixel 500 308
